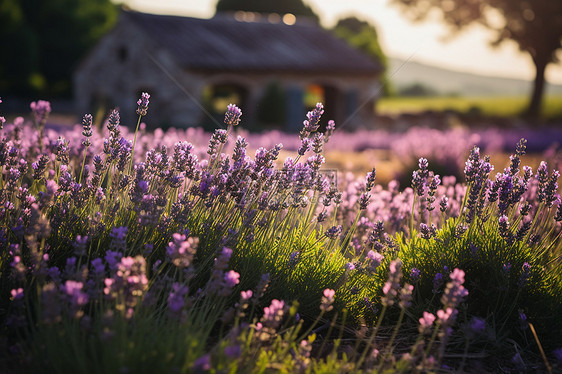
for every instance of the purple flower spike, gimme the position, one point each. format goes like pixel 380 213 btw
pixel 232 115
pixel 143 104
pixel 176 298
pixel 477 325
pixel 87 126
pixel 203 363
pixel 17 294
pixel 415 274
pixel 231 278
pixel 426 322
pixel 246 295
pixel 233 351
pixel 41 110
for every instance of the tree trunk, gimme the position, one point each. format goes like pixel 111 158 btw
pixel 534 108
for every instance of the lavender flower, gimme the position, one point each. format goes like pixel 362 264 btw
pixel 428 232
pixel 76 297
pixel 181 250
pixel 503 226
pixel 294 258
pixel 231 279
pixel 334 232
pixel 327 300
pixel 203 363
pixel 415 275
pixel 113 123
pixel 364 201
pixel 233 351
pixel 392 285
pixel 418 183
pixel 118 237
pixel 426 322
pixel 370 180
pixel 176 298
pixel 375 260
pixel 232 115
pixel 473 163
pixel 406 296
pixel 246 295
pixel 310 125
pixel 273 314
pixel 330 128
pixel 454 291
pixel 87 132
pixel 17 293
pixel 306 144
pixel 41 110
pixel 142 104
pixel 446 316
pixel 477 325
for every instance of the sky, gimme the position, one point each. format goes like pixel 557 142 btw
pixel 399 37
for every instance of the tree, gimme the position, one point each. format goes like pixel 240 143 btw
pixel 363 36
pixel 296 7
pixel 47 39
pixel 535 25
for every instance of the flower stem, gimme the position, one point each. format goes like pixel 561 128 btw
pixel 134 142
pixel 83 165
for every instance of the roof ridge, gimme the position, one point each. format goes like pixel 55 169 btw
pixel 228 43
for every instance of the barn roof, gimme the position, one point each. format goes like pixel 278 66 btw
pixel 224 43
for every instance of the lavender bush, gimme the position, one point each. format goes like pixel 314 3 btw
pixel 138 252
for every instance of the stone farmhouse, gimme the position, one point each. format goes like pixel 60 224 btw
pixel 193 68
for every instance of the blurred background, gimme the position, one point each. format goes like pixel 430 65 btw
pixel 463 59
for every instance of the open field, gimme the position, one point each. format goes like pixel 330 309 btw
pixel 487 106
pixel 181 251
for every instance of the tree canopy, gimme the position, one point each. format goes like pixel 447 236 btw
pixel 46 40
pixel 535 25
pixel 296 7
pixel 363 36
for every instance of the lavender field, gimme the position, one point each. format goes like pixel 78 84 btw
pixel 182 251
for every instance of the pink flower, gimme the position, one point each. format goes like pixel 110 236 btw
pixel 457 275
pixel 446 316
pixel 231 278
pixel 41 110
pixel 246 295
pixel 426 322
pixel 203 363
pixel 375 257
pixel 327 300
pixel 17 293
pixel 329 293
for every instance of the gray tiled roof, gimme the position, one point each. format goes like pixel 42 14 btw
pixel 227 44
